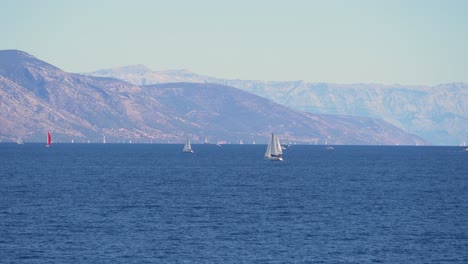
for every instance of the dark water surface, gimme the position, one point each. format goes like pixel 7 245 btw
pixel 116 203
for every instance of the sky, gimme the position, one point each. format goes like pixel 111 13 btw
pixel 373 41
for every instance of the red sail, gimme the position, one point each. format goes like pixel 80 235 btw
pixel 49 138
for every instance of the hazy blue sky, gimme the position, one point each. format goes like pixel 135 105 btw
pixel 407 42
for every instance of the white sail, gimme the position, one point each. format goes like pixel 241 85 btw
pixel 279 148
pixel 268 150
pixel 187 146
pixel 274 150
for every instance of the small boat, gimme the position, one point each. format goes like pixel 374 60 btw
pixel 327 147
pixel 49 139
pixel 19 141
pixel 187 147
pixel 274 151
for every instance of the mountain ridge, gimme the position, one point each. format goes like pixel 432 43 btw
pixel 438 113
pixel 36 97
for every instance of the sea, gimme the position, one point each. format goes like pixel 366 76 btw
pixel 151 203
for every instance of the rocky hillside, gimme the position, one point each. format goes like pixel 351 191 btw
pixel 36 97
pixel 437 113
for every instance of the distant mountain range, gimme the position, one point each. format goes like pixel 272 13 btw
pixel 436 113
pixel 36 97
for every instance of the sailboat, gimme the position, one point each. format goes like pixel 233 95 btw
pixel 49 139
pixel 187 147
pixel 465 148
pixel 274 150
pixel 19 141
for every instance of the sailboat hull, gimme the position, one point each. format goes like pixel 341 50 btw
pixel 274 158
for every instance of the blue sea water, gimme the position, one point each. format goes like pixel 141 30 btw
pixel 131 203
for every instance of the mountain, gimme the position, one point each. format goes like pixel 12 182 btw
pixel 36 97
pixel 142 75
pixel 437 113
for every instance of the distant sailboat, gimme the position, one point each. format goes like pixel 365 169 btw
pixel 327 146
pixel 49 139
pixel 274 150
pixel 187 147
pixel 465 148
pixel 19 141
